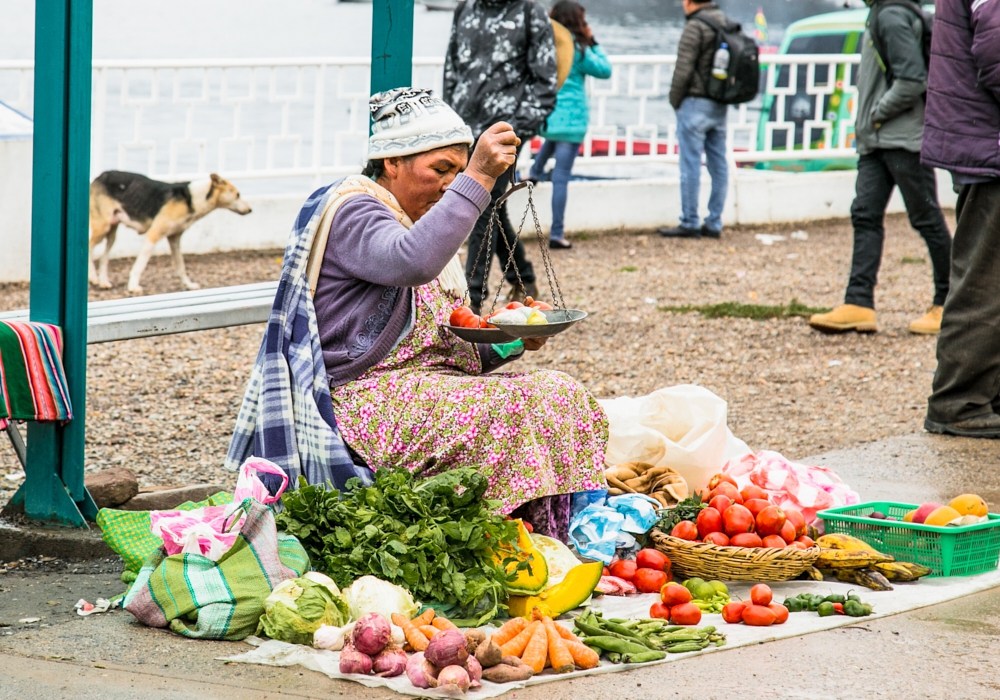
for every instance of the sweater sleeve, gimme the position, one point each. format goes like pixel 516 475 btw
pixel 368 243
pixel 595 62
pixel 986 45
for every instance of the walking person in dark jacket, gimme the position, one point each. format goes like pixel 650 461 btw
pixel 500 66
pixel 701 123
pixel 961 132
pixel 888 130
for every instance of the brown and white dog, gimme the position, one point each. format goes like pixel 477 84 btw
pixel 157 209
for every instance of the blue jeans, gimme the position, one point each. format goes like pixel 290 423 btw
pixel 565 153
pixel 701 126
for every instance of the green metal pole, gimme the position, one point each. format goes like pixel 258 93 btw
pixel 392 44
pixel 53 487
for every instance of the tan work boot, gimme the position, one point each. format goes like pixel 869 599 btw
pixel 846 317
pixel 929 323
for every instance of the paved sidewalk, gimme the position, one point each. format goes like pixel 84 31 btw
pixel 942 651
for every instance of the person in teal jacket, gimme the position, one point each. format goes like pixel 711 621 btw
pixel 566 127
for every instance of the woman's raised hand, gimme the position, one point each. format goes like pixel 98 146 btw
pixel 495 152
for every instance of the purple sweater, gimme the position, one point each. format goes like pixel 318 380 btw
pixel 962 121
pixel 363 296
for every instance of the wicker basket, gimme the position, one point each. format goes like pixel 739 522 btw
pixel 709 561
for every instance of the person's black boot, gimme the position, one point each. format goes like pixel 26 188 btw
pixel 559 244
pixel 679 232
pixel 706 232
pixel 985 426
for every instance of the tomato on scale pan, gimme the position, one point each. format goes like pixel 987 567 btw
pixel 463 317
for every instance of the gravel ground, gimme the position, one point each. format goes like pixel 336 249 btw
pixel 164 407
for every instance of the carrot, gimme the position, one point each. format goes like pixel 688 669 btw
pixel 537 650
pixel 510 629
pixel 559 654
pixel 515 647
pixel 414 637
pixel 424 618
pixel 443 623
pixel 583 656
pixel 429 631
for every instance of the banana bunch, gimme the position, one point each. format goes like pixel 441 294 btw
pixel 855 561
pixel 869 578
pixel 902 571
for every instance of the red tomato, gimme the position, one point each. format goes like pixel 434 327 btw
pixel 726 489
pixel 720 503
pixel 806 540
pixel 652 559
pixel 759 616
pixel 540 305
pixel 838 608
pixel 717 538
pixel 528 526
pixel 773 542
pixel 796 518
pixel 787 532
pixel 605 571
pixel 753 491
pixel 718 479
pixel 746 539
pixel 685 614
pixel 709 520
pixel 514 305
pixel 794 545
pixel 459 316
pixel 685 530
pixel 733 612
pixel 761 594
pixel 659 611
pixel 770 521
pixel 624 569
pixel 650 580
pixel 675 594
pixel 737 519
pixel 756 505
pixel 780 613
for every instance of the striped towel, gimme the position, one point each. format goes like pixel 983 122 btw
pixel 32 379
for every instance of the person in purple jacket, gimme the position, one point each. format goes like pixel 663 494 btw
pixel 962 135
pixel 406 391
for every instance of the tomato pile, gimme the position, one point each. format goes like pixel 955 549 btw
pixel 744 518
pixel 650 571
pixel 464 317
pixel 760 612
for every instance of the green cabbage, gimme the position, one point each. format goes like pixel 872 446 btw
pixel 297 607
pixel 370 594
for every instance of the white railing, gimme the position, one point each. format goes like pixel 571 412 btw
pixel 298 121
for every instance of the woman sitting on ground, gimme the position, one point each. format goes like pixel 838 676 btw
pixel 406 391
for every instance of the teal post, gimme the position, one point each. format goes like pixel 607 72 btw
pixel 392 44
pixel 53 488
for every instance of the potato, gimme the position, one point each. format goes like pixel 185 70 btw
pixel 473 638
pixel 488 654
pixel 502 673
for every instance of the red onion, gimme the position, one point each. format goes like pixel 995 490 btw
pixel 453 678
pixel 390 662
pixel 353 661
pixel 372 633
pixel 421 672
pixel 475 670
pixel 447 649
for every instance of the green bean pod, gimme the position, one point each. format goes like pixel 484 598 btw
pixel 616 644
pixel 644 657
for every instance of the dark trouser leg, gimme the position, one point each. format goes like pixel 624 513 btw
pixel 872 191
pixel 967 380
pixel 918 186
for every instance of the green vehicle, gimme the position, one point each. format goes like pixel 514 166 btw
pixel 829 33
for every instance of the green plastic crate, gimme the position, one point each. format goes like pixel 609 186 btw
pixel 949 551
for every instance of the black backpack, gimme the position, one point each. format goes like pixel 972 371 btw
pixel 912 6
pixel 743 81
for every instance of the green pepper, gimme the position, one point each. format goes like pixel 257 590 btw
pixel 834 599
pixel 867 608
pixel 793 605
pixel 853 608
pixel 825 609
pixel 855 597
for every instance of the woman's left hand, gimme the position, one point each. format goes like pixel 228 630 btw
pixel 533 344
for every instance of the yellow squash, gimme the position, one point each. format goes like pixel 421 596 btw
pixel 528 582
pixel 570 593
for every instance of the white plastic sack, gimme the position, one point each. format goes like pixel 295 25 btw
pixel 683 427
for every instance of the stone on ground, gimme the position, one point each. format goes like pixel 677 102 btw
pixel 111 487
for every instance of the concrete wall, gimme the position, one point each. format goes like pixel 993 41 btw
pixel 754 197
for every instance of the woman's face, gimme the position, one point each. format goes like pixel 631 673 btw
pixel 419 182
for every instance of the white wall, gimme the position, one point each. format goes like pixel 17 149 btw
pixel 755 197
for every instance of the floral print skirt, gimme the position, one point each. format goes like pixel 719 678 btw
pixel 429 408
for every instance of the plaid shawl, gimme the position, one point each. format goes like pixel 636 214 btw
pixel 32 380
pixel 287 413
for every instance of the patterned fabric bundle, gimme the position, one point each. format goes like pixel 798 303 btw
pixel 32 380
pixel 223 599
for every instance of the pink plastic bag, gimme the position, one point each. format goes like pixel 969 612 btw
pixel 807 488
pixel 211 531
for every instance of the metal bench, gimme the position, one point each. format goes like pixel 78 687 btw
pixel 179 312
pixel 165 314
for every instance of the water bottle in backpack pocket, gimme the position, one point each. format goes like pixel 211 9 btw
pixel 735 74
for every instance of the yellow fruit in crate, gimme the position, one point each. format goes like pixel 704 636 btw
pixel 969 504
pixel 908 518
pixel 942 516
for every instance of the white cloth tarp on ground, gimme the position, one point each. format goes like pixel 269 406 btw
pixel 904 597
